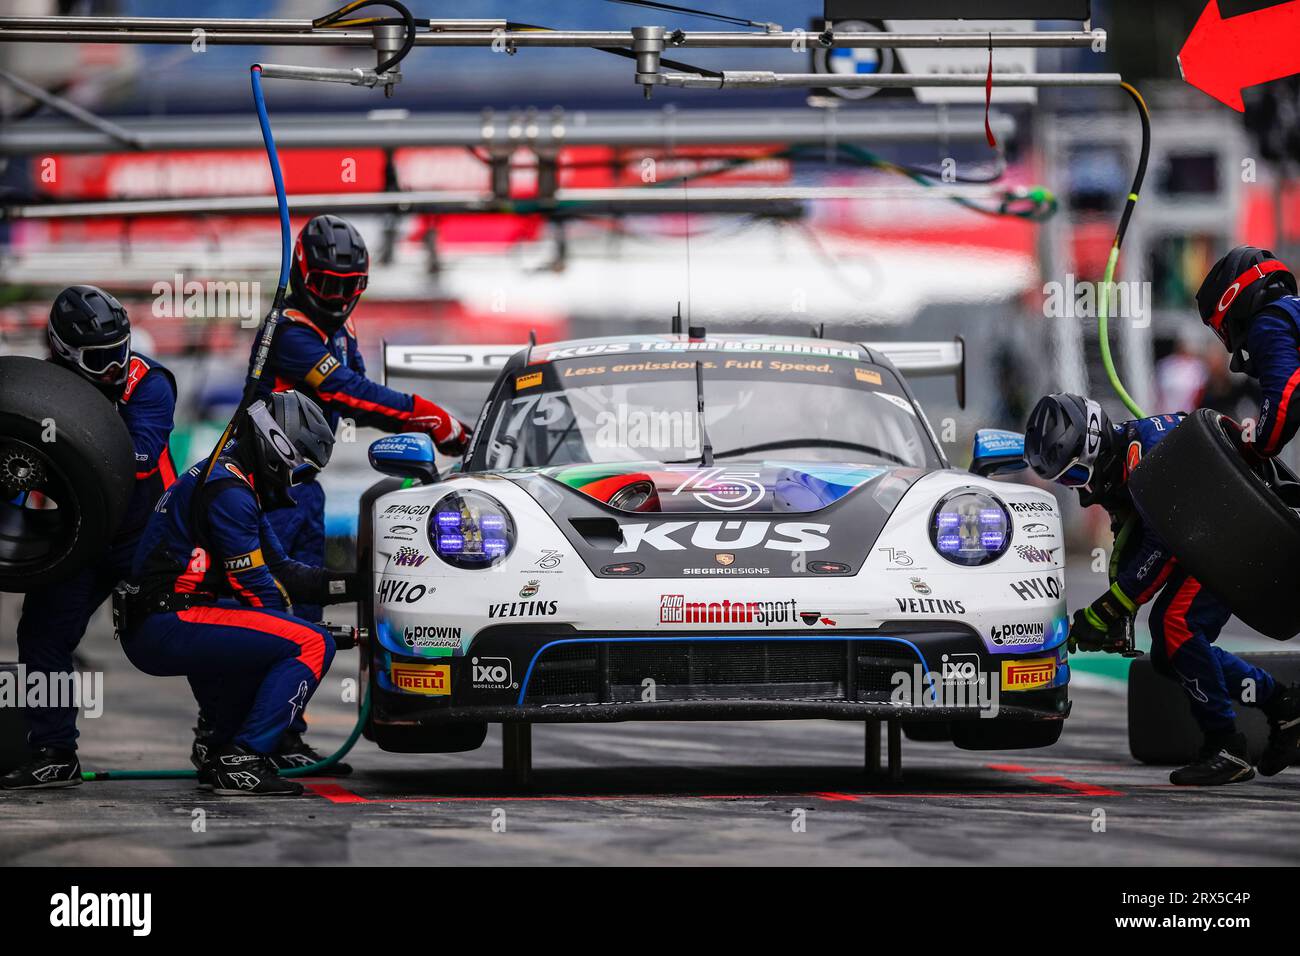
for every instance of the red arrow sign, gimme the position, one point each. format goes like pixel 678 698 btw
pixel 1223 57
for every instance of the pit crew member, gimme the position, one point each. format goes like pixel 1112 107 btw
pixel 315 351
pixel 1249 301
pixel 90 333
pixel 215 596
pixel 1070 440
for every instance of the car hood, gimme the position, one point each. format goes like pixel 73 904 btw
pixel 751 488
pixel 830 514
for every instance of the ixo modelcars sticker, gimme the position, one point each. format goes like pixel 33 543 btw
pixel 1028 675
pixel 788 536
pixel 675 609
pixel 492 673
pixel 1037 589
pixel 429 680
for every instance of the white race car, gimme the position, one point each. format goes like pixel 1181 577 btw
pixel 682 527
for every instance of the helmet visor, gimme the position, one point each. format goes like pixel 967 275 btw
pixel 103 363
pixel 336 286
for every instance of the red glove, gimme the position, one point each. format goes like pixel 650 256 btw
pixel 449 435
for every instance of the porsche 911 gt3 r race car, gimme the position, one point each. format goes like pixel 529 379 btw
pixel 709 527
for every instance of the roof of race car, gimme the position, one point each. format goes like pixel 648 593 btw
pixel 677 343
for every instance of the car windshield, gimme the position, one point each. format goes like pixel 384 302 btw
pixel 801 408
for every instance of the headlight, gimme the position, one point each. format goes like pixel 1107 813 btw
pixel 471 530
pixel 971 528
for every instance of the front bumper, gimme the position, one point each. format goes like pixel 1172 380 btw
pixel 555 674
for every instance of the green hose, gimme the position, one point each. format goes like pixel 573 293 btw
pixel 318 767
pixel 1103 310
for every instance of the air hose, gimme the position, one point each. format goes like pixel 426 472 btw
pixel 1103 309
pixel 265 333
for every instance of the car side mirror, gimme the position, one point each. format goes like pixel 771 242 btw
pixel 408 455
pixel 998 452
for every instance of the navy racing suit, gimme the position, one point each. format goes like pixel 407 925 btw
pixel 329 369
pixel 216 592
pixel 1186 619
pixel 55 616
pixel 1273 344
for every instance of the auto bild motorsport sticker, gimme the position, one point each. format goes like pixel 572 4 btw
pixel 675 609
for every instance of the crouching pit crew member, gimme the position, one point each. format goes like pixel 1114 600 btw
pixel 90 333
pixel 215 593
pixel 1071 441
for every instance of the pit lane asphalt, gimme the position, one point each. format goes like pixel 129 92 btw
pixel 655 793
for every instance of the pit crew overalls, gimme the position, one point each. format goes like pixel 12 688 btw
pixel 214 606
pixel 1185 618
pixel 1273 343
pixel 55 616
pixel 328 369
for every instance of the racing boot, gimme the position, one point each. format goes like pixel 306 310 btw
pixel 200 750
pixel 295 752
pixel 49 769
pixel 236 771
pixel 1283 712
pixel 1223 759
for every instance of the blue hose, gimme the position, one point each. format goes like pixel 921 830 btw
pixel 286 236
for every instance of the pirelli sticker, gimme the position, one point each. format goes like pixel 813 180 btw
pixel 1028 675
pixel 868 376
pixel 322 371
pixel 430 680
pixel 527 380
pixel 244 562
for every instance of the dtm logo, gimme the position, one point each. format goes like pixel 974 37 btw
pixel 492 673
pixel 792 536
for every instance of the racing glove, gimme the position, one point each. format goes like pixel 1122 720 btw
pixel 451 437
pixel 1104 625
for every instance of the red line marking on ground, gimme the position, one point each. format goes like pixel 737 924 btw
pixel 835 796
pixel 1086 789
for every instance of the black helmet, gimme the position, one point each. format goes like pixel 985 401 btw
pixel 291 442
pixel 330 269
pixel 1239 286
pixel 1069 439
pixel 90 333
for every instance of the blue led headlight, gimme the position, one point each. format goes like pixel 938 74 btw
pixel 971 528
pixel 471 530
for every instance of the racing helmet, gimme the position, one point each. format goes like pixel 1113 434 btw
pixel 1237 288
pixel 330 270
pixel 1069 440
pixel 291 442
pixel 90 333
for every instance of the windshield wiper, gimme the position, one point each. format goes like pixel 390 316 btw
pixel 706 446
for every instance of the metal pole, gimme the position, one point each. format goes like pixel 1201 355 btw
pixel 68 108
pixel 453 33
pixel 764 79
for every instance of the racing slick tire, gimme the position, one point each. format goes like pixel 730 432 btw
pixel 1225 524
pixel 59 437
pixel 1161 730
pixel 1005 734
